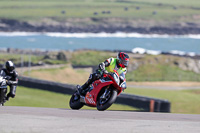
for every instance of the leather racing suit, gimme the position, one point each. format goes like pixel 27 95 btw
pixel 12 81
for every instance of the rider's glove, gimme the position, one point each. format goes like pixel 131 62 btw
pixel 102 66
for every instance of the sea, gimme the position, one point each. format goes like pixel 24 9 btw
pixel 100 41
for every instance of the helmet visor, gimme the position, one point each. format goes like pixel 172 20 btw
pixel 10 69
pixel 125 62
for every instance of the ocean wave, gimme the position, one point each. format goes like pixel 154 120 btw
pixel 139 50
pixel 99 35
pixel 119 35
pixel 12 34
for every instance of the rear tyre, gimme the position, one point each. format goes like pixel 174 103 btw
pixel 105 103
pixel 75 101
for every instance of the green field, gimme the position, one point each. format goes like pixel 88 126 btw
pixel 18 58
pixel 159 72
pixel 153 68
pixel 83 58
pixel 170 10
pixel 185 101
pixel 182 101
pixel 39 98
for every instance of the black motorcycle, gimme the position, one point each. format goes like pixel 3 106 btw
pixel 3 90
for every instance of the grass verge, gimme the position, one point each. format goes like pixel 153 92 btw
pixel 158 72
pixel 62 9
pixel 182 101
pixel 18 58
pixel 39 98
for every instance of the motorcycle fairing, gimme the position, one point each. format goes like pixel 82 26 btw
pixel 91 97
pixel 116 85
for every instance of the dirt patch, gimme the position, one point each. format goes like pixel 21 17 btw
pixel 63 75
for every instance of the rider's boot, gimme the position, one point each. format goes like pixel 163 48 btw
pixel 4 100
pixel 7 98
pixel 10 94
pixel 82 89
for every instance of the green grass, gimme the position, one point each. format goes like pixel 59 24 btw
pixel 89 57
pixel 157 72
pixel 182 101
pixel 154 68
pixel 40 98
pixel 17 58
pixel 37 9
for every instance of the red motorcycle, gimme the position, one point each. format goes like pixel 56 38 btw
pixel 101 93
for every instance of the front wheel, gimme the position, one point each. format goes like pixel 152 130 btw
pixel 75 101
pixel 3 92
pixel 105 100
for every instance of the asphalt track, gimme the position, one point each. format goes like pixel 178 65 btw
pixel 54 120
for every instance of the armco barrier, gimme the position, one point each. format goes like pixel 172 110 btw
pixel 144 103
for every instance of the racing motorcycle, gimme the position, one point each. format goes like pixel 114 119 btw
pixel 3 90
pixel 101 93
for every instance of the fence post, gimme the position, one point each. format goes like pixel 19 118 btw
pixel 151 105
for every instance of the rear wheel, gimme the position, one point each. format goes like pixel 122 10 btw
pixel 106 99
pixel 75 101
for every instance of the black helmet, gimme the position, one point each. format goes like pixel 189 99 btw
pixel 123 59
pixel 10 66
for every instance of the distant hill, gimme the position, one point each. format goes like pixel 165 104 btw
pixel 143 16
pixel 142 67
pixel 146 67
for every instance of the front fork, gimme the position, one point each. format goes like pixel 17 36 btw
pixel 105 94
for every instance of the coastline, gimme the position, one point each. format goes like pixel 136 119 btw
pixel 35 39
pixel 97 35
pixel 11 25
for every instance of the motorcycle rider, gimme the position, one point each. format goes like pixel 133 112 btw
pixel 12 78
pixel 119 64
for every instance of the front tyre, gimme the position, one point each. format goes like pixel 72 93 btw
pixel 75 101
pixel 105 102
pixel 3 92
